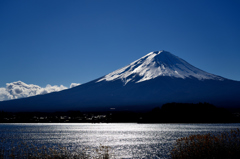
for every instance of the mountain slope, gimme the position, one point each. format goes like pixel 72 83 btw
pixel 155 64
pixel 157 78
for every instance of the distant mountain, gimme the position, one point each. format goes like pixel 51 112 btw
pixel 157 78
pixel 156 64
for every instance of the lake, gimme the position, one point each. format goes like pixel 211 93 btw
pixel 126 140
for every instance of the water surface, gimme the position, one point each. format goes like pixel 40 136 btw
pixel 125 140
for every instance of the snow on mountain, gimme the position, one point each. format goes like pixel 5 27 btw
pixel 155 64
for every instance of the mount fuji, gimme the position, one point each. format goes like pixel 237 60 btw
pixel 155 64
pixel 155 79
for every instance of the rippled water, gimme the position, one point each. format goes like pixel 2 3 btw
pixel 125 140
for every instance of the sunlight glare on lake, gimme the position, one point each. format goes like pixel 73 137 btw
pixel 124 140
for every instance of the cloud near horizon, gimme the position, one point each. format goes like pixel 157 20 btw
pixel 20 89
pixel 74 85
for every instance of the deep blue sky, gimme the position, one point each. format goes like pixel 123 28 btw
pixel 60 42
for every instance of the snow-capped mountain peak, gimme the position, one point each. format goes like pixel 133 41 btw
pixel 155 64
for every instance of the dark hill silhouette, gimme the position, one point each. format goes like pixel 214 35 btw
pixel 189 113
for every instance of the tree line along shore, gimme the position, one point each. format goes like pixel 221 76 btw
pixel 167 113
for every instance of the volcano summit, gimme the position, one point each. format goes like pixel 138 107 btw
pixel 157 78
pixel 156 64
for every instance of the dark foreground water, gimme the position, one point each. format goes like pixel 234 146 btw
pixel 125 140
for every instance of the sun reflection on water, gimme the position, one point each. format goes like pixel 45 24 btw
pixel 125 140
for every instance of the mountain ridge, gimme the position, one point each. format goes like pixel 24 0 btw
pixel 141 85
pixel 158 63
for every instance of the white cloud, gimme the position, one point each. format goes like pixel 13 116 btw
pixel 5 95
pixel 74 85
pixel 20 89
